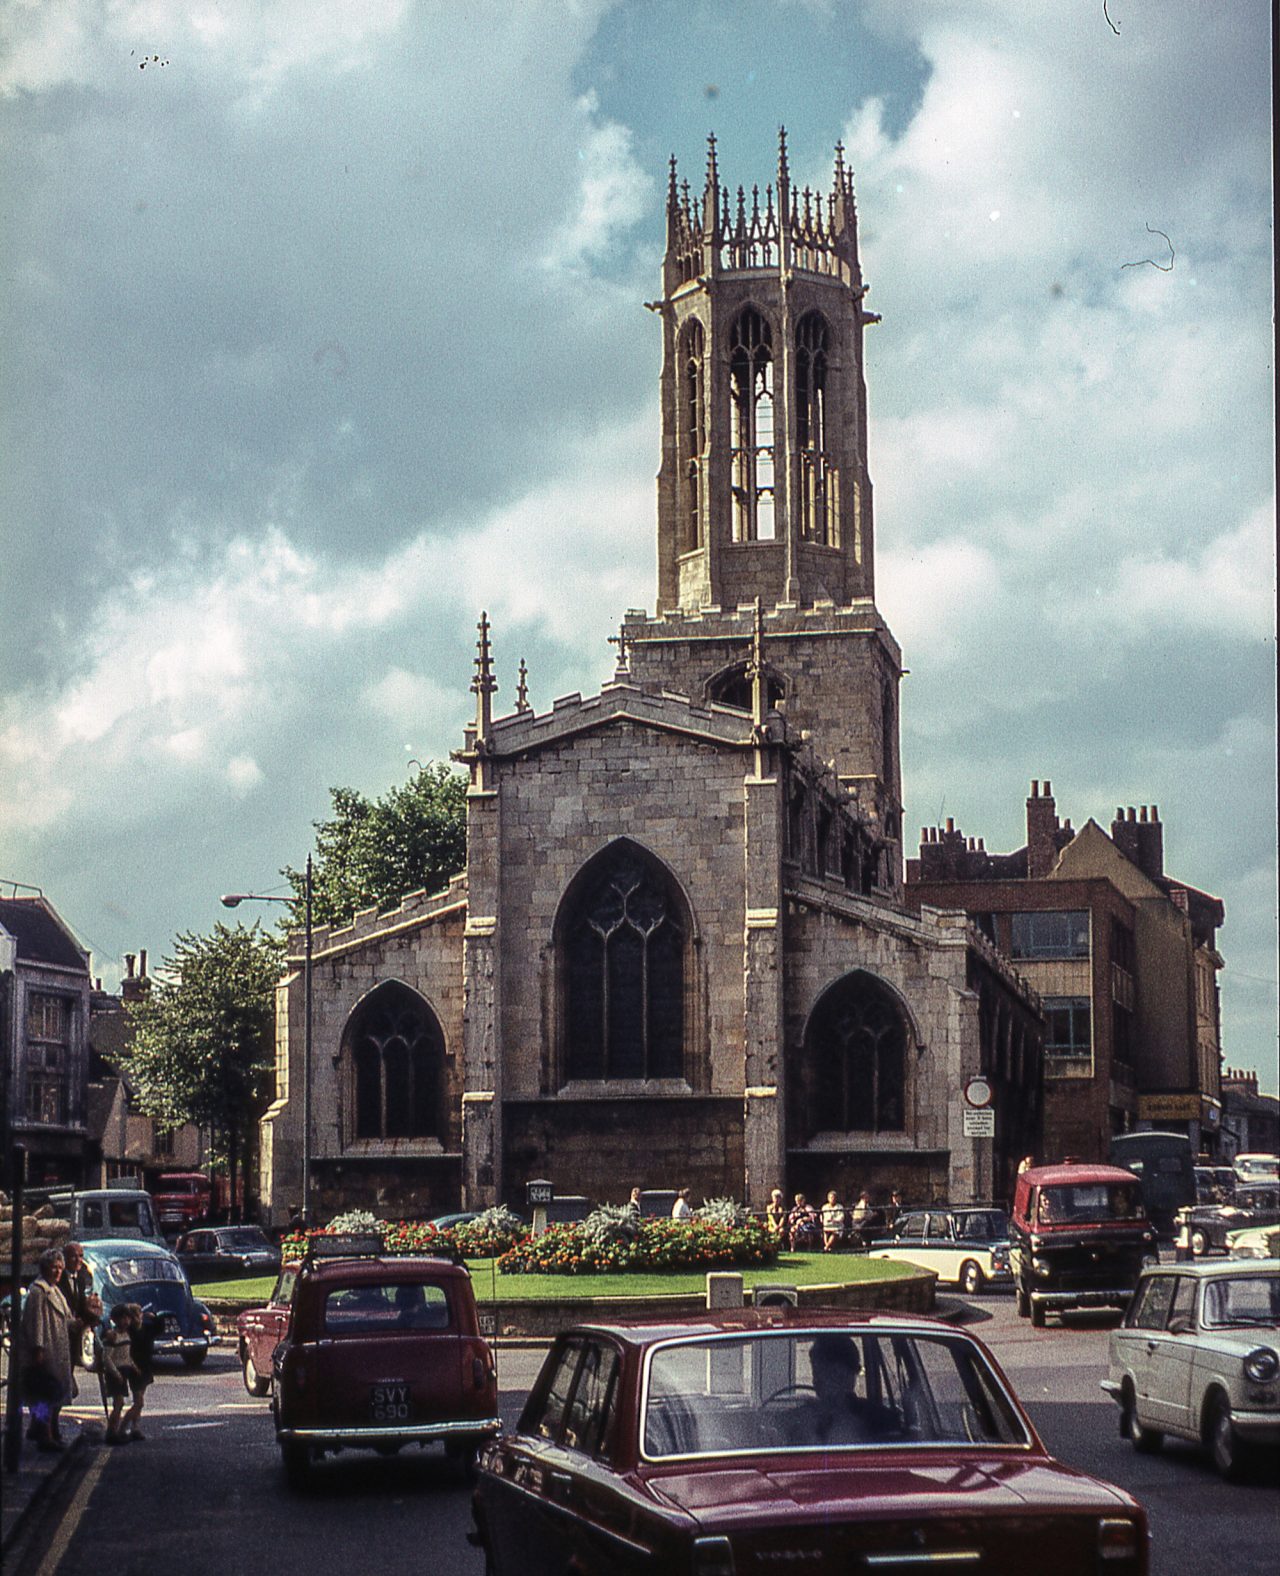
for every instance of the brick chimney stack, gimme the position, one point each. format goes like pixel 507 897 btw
pixel 133 987
pixel 1139 836
pixel 1043 842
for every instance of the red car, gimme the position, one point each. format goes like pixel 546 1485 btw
pixel 778 1439
pixel 260 1330
pixel 379 1352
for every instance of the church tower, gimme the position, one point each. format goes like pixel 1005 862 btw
pixel 763 490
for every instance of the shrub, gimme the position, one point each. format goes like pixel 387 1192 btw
pixel 610 1223
pixel 491 1233
pixel 656 1245
pixel 355 1220
pixel 725 1211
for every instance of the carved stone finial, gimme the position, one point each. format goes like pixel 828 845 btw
pixel 713 169
pixel 784 172
pixel 622 668
pixel 673 194
pixel 483 683
pixel 522 688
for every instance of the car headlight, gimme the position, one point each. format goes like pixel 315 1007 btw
pixel 1261 1365
pixel 1040 1266
pixel 1118 1538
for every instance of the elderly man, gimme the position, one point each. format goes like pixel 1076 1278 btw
pixel 77 1289
pixel 837 1415
pixel 46 1344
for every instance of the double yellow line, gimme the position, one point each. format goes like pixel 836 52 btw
pixel 70 1522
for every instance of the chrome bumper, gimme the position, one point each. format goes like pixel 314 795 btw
pixel 1259 1428
pixel 406 1433
pixel 1094 1297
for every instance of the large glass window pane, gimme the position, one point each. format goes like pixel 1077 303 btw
pixel 1056 933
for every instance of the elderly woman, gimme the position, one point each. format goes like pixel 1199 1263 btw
pixel 46 1344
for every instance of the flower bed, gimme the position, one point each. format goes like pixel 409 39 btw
pixel 657 1244
pixel 477 1239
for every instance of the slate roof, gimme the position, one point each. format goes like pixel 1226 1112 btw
pixel 41 935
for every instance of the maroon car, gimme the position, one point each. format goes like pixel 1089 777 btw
pixel 778 1439
pixel 380 1352
pixel 260 1330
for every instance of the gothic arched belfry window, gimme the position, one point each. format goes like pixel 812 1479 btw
pixel 751 428
pixel 622 938
pixel 395 1055
pixel 819 478
pixel 693 430
pixel 855 1050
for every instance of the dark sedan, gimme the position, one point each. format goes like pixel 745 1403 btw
pixel 785 1439
pixel 220 1252
pixel 1204 1228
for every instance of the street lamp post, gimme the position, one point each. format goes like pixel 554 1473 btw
pixel 233 900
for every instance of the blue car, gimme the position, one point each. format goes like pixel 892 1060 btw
pixel 126 1270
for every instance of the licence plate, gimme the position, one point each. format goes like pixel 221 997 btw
pixel 389 1403
pixel 167 1324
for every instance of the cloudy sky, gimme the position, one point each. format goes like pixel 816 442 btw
pixel 323 330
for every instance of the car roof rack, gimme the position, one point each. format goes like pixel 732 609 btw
pixel 369 1245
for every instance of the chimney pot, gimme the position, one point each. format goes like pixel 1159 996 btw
pixel 1142 814
pixel 1035 787
pixel 982 844
pixel 1119 812
pixel 951 823
pixel 129 961
pixel 1048 789
pixel 1132 814
pixel 142 971
pixel 1155 812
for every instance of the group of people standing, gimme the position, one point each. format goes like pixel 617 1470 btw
pixel 61 1309
pixel 831 1226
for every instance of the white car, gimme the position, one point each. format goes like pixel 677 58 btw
pixel 1254 1242
pixel 968 1246
pixel 1198 1356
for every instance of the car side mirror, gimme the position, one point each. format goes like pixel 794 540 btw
pixel 1182 1326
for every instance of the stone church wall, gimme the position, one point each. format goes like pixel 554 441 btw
pixel 683 802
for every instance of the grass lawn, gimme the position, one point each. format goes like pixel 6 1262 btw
pixel 792 1269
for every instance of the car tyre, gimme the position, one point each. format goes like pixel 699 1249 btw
pixel 1229 1456
pixel 1023 1303
pixel 254 1382
pixel 195 1359
pixel 1199 1244
pixel 1038 1314
pixel 972 1279
pixel 1146 1441
pixel 464 1457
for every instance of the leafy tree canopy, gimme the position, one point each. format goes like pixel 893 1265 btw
pixel 372 851
pixel 202 1048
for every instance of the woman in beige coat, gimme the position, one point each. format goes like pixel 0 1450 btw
pixel 46 1347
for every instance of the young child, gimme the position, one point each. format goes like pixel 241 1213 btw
pixel 118 1368
pixel 142 1340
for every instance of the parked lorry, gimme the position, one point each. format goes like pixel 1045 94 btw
pixel 183 1199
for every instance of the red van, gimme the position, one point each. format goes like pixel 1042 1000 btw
pixel 1078 1238
pixel 182 1199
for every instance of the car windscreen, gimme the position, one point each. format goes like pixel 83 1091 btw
pixel 819 1390
pixel 1089 1201
pixel 249 1237
pixel 378 1309
pixel 1242 1300
pixel 141 1270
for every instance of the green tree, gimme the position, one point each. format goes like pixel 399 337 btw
pixel 202 1044
pixel 372 851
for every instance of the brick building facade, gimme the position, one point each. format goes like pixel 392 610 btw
pixel 1123 956
pixel 679 953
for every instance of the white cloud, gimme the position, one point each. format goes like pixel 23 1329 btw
pixel 243 775
pixel 613 192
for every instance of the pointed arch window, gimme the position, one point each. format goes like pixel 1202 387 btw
pixel 819 477
pixel 693 432
pixel 856 1047
pixel 622 938
pixel 732 687
pixel 751 428
pixel 395 1054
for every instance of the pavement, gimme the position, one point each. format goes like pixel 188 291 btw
pixel 34 1480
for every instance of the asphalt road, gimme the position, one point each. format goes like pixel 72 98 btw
pixel 203 1494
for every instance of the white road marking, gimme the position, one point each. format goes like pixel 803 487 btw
pixel 67 1527
pixel 216 1423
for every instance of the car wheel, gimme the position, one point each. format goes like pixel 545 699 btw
pixel 464 1457
pixel 1023 1302
pixel 296 1460
pixel 1038 1315
pixel 254 1382
pixel 195 1359
pixel 971 1278
pixel 1146 1441
pixel 1199 1244
pixel 1225 1448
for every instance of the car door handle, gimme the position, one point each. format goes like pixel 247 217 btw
pixel 1151 1345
